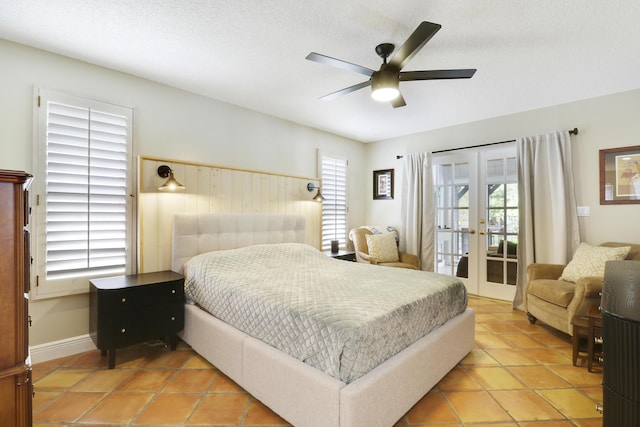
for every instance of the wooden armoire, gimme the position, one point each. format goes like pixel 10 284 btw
pixel 16 389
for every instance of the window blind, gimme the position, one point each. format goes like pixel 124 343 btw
pixel 334 206
pixel 86 191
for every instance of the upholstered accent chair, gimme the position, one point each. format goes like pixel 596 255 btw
pixel 363 254
pixel 553 299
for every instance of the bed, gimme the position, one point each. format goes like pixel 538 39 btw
pixel 304 395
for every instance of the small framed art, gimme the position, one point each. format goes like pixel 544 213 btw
pixel 620 175
pixel 383 184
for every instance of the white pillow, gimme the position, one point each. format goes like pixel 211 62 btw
pixel 589 261
pixel 382 247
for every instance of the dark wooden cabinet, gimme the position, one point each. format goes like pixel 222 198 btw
pixel 130 309
pixel 16 389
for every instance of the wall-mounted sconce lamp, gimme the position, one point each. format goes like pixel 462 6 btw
pixel 318 197
pixel 171 184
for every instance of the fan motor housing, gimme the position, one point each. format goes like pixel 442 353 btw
pixel 385 78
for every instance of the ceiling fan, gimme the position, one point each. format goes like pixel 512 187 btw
pixel 384 82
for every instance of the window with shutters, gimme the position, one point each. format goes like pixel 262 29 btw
pixel 85 223
pixel 333 173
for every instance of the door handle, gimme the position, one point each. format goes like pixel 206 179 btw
pixel 472 231
pixel 482 232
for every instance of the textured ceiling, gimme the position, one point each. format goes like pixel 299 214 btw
pixel 529 54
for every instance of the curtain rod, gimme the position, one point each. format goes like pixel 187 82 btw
pixel 573 131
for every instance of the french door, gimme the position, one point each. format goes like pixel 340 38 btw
pixel 476 206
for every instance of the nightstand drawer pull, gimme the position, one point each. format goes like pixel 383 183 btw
pixel 124 300
pixel 123 330
pixel 173 291
pixel 173 317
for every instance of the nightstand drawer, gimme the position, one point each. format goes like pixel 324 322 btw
pixel 134 326
pixel 115 300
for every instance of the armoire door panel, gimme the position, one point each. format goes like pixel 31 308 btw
pixel 15 377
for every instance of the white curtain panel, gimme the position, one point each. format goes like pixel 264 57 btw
pixel 549 231
pixel 417 212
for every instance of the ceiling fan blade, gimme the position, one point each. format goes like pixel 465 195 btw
pixel 406 76
pixel 398 101
pixel 414 43
pixel 323 59
pixel 345 91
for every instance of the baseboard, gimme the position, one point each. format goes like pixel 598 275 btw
pixel 62 348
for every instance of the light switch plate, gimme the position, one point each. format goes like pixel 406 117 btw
pixel 584 211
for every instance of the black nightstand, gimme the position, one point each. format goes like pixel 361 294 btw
pixel 125 310
pixel 343 255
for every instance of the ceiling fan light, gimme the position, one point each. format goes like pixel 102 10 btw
pixel 384 87
pixel 384 94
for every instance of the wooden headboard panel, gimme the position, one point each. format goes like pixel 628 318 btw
pixel 194 234
pixel 214 190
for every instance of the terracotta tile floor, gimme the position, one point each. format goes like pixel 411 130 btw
pixel 518 374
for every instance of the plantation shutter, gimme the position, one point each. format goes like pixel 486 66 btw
pixel 334 205
pixel 86 191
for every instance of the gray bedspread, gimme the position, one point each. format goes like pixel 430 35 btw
pixel 344 318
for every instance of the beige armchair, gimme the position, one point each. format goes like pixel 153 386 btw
pixel 359 239
pixel 554 301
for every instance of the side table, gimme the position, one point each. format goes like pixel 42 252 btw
pixel 586 330
pixel 125 310
pixel 343 255
pixel 579 339
pixel 594 337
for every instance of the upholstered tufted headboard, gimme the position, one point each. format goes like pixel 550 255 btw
pixel 194 234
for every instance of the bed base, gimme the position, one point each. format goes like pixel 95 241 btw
pixel 307 397
pixel 299 393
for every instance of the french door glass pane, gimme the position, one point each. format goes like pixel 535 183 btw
pixel 502 220
pixel 452 216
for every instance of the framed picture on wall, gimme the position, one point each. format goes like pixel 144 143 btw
pixel 383 184
pixel 620 175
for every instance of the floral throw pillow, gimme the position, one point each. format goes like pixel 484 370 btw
pixel 589 261
pixel 382 247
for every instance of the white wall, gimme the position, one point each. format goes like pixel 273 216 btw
pixel 175 124
pixel 168 123
pixel 604 122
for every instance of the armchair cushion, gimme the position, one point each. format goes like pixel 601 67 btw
pixel 557 292
pixel 383 247
pixel 589 261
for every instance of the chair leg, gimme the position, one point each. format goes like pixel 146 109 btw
pixel 532 318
